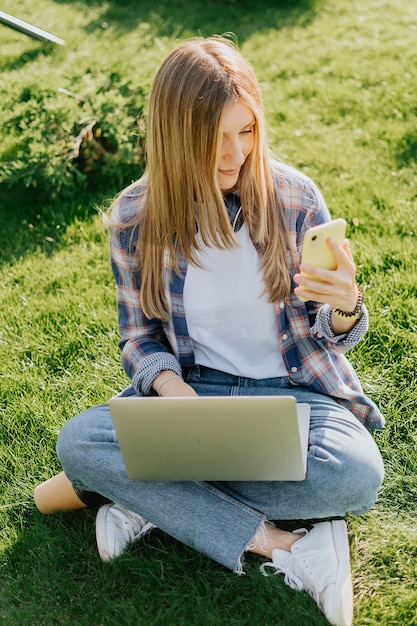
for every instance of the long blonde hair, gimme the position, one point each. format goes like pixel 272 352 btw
pixel 193 88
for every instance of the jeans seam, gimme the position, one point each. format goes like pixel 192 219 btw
pixel 227 498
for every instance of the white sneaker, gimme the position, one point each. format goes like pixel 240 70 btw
pixel 319 563
pixel 116 527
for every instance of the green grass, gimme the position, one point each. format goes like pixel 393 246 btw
pixel 339 86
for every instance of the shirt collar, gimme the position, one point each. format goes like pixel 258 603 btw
pixel 232 202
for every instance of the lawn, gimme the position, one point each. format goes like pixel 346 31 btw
pixel 339 83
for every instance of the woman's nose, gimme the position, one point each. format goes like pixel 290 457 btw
pixel 234 153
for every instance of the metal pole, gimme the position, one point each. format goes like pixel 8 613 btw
pixel 28 29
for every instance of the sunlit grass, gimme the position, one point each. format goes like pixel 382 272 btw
pixel 339 90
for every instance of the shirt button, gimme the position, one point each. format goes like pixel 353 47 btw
pixel 319 336
pixel 281 305
pixel 294 369
pixel 285 336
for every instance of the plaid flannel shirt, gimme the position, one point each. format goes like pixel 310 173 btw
pixel 313 355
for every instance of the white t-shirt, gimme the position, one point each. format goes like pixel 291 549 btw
pixel 232 326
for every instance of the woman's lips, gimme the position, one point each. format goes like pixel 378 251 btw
pixel 230 172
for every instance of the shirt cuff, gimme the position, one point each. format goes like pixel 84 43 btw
pixel 323 328
pixel 151 367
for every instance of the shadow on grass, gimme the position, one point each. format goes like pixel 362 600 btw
pixel 29 223
pixel 54 576
pixel 205 17
pixel 30 55
pixel 406 153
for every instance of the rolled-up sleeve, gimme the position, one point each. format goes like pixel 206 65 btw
pixel 322 331
pixel 143 344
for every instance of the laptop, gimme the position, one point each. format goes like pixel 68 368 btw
pixel 212 438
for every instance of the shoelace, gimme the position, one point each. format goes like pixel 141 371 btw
pixel 291 579
pixel 144 530
pixel 136 526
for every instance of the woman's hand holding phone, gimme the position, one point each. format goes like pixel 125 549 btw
pixel 336 286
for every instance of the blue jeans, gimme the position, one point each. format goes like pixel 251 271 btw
pixel 344 473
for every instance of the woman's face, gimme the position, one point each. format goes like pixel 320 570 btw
pixel 237 139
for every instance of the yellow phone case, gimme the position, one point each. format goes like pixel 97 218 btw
pixel 315 249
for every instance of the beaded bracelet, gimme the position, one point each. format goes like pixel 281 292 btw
pixel 357 311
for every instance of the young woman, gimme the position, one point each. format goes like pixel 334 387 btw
pixel 205 251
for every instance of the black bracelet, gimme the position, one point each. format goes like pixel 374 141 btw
pixel 357 311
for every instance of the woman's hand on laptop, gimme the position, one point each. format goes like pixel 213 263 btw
pixel 169 384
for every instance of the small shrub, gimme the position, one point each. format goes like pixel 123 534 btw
pixel 56 141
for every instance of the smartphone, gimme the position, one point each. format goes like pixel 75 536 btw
pixel 315 249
